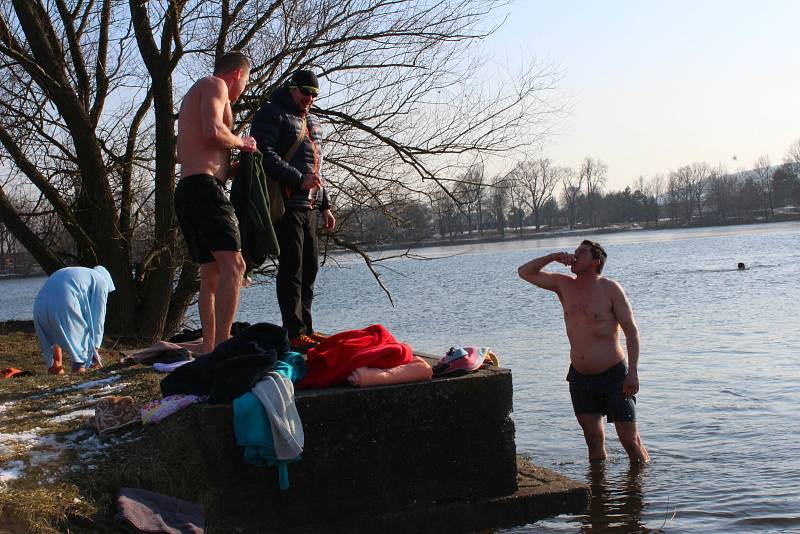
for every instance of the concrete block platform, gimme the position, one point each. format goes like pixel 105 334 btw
pixel 434 456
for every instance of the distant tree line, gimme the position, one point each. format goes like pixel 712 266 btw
pixel 536 194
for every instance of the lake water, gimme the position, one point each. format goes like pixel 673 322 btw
pixel 720 385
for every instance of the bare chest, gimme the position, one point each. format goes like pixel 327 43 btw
pixel 593 305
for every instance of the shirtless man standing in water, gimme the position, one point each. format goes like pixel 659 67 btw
pixel 205 214
pixel 594 310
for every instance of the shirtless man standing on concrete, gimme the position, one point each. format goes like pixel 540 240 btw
pixel 594 310
pixel 206 216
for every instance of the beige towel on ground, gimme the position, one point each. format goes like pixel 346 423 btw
pixel 415 371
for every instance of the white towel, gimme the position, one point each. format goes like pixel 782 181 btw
pixel 168 367
pixel 276 393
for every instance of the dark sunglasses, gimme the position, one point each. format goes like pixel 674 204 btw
pixel 312 92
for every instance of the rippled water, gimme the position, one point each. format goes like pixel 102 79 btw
pixel 720 385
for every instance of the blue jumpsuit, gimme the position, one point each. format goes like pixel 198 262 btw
pixel 70 311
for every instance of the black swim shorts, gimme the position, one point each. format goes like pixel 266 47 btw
pixel 206 216
pixel 602 393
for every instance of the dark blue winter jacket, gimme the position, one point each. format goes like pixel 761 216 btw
pixel 275 129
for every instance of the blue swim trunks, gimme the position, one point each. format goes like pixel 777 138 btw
pixel 602 393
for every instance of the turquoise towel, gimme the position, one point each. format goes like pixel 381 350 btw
pixel 291 365
pixel 252 428
pixel 253 432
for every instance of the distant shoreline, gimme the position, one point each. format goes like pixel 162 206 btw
pixel 531 234
pixel 16 325
pixel 526 234
pixel 17 276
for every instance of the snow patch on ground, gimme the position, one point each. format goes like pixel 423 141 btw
pixel 11 471
pixel 73 415
pixel 9 443
pixel 41 450
pixel 82 386
pixel 44 451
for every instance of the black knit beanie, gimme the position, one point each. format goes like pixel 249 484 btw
pixel 304 78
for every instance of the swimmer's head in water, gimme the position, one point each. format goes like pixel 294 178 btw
pixel 740 266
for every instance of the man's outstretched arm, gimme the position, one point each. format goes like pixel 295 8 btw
pixel 532 271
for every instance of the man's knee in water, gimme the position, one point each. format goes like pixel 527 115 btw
pixel 630 440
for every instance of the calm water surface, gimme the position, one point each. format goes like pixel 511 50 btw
pixel 720 388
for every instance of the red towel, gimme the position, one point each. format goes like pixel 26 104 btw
pixel 330 362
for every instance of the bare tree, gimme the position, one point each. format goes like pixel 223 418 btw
pixel 792 158
pixel 499 199
pixel 655 188
pixel 593 174
pixel 697 183
pixel 539 178
pixel 748 196
pixel 90 90
pixel 764 172
pixel 681 191
pixel 516 194
pixel 673 197
pixel 722 192
pixel 8 247
pixel 572 183
pixel 444 211
pixel 469 194
pixel 652 191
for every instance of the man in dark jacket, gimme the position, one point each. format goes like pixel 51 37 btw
pixel 276 127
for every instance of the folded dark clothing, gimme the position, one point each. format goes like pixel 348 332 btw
pixel 238 326
pixel 237 376
pixel 147 511
pixel 187 334
pixel 211 373
pixel 194 378
pixel 264 335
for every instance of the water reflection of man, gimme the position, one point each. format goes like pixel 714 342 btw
pixel 594 310
pixel 614 507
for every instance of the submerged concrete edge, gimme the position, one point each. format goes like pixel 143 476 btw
pixel 542 493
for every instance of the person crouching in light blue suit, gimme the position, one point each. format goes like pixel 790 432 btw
pixel 69 315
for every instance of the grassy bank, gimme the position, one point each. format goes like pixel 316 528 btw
pixel 56 473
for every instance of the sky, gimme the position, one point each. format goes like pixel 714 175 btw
pixel 655 85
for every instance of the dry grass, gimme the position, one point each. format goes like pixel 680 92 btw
pixel 60 475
